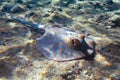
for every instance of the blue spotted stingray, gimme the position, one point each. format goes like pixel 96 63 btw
pixel 61 44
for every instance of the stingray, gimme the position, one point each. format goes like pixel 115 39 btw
pixel 61 44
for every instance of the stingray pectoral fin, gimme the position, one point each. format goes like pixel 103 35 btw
pixel 58 55
pixel 57 51
pixel 69 56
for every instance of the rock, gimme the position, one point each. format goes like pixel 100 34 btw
pixel 61 18
pixel 6 8
pixel 20 1
pixel 117 1
pixel 111 51
pixel 43 3
pixel 63 3
pixel 88 5
pixel 116 23
pixel 54 2
pixel 13 8
pixel 17 8
pixel 3 68
pixel 107 1
pixel 31 14
pixel 2 42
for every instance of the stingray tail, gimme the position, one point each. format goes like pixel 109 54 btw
pixel 28 24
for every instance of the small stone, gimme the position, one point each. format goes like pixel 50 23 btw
pixel 108 27
pixel 81 64
pixel 53 15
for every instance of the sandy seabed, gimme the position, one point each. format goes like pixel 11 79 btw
pixel 20 60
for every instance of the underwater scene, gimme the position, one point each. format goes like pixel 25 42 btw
pixel 59 39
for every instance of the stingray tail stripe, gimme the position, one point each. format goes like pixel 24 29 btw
pixel 26 23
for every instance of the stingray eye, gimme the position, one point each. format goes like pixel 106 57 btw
pixel 76 44
pixel 73 42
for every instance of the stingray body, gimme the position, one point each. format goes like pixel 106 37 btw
pixel 58 43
